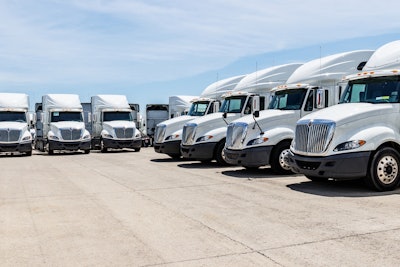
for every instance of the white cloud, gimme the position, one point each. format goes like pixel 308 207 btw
pixel 140 41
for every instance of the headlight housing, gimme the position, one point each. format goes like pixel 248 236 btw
pixel 53 137
pixel 204 138
pixel 87 136
pixel 106 135
pixel 172 137
pixel 353 144
pixel 257 141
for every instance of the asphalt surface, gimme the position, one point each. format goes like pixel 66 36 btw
pixel 145 209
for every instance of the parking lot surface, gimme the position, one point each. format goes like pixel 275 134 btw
pixel 145 209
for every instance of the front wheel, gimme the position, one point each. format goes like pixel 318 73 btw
pixel 219 153
pixel 279 158
pixel 383 173
pixel 103 148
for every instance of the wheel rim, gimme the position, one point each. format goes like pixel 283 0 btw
pixel 387 169
pixel 284 160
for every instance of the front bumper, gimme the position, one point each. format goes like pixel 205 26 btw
pixel 250 157
pixel 202 151
pixel 342 166
pixel 16 147
pixel 119 144
pixel 57 145
pixel 169 148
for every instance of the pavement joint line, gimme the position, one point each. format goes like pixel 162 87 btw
pixel 332 239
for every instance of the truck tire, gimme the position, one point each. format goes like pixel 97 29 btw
pixel 174 156
pixel 137 149
pixel 278 161
pixel 103 148
pixel 29 153
pixel 384 172
pixel 51 152
pixel 219 153
pixel 86 151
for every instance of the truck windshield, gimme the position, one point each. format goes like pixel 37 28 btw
pixel 12 116
pixel 57 116
pixel 372 90
pixel 117 116
pixel 233 104
pixel 288 99
pixel 198 108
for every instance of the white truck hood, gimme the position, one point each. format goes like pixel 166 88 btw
pixel 13 125
pixel 66 124
pixel 119 124
pixel 177 120
pixel 215 120
pixel 349 112
pixel 269 116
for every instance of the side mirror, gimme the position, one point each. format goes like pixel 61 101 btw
pixel 320 98
pixel 224 115
pixel 255 106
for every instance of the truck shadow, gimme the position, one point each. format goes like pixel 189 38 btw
pixel 244 173
pixel 331 188
pixel 202 165
pixel 63 153
pixel 161 160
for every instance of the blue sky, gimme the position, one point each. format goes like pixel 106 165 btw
pixel 151 49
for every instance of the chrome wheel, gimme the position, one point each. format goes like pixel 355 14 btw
pixel 387 169
pixel 283 159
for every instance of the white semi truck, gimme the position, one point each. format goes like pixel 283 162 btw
pixel 265 140
pixel 168 134
pixel 15 124
pixel 359 138
pixel 204 138
pixel 113 124
pixel 60 124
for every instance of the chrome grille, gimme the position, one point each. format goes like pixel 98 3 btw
pixel 313 136
pixel 71 134
pixel 9 135
pixel 235 135
pixel 159 133
pixel 188 134
pixel 123 132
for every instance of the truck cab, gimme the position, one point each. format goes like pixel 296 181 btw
pixel 60 124
pixel 15 124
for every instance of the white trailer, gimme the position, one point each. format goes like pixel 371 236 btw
pixel 15 123
pixel 60 124
pixel 265 140
pixel 155 113
pixel 169 133
pixel 204 138
pixel 113 124
pixel 359 138
pixel 179 105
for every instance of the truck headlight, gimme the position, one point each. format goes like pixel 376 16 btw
pixel 349 145
pixel 204 138
pixel 257 141
pixel 53 137
pixel 27 138
pixel 86 136
pixel 171 137
pixel 107 136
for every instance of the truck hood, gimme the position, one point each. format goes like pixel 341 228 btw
pixel 215 120
pixel 119 124
pixel 13 125
pixel 349 112
pixel 67 124
pixel 178 120
pixel 270 116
